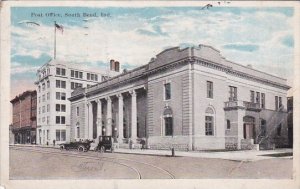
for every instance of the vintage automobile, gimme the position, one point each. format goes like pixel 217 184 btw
pixel 105 143
pixel 82 145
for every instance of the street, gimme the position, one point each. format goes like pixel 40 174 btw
pixel 49 163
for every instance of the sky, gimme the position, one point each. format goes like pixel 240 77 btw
pixel 262 37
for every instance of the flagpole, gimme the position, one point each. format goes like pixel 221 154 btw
pixel 54 55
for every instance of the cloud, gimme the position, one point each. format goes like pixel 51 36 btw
pixel 239 47
pixel 133 36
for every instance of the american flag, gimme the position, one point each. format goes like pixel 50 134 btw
pixel 59 27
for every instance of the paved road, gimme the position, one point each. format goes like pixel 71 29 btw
pixel 47 163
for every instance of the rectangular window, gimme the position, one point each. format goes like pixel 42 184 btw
pixel 63 84
pixel 96 77
pixel 57 107
pixel 276 103
pixel 72 85
pixel 39 110
pixel 167 91
pixel 209 89
pixel 280 103
pixel 78 132
pixel 63 71
pixel 43 98
pixel 228 124
pixel 88 76
pixel 47 134
pixel 57 71
pixel 62 120
pixel 168 126
pixel 209 125
pixel 48 107
pixel 258 97
pixel 43 119
pixel 57 135
pixel 48 84
pixel 57 83
pixel 43 86
pixel 63 96
pixel 80 75
pixel 44 109
pixel 63 108
pixel 232 93
pixel 252 96
pixel 92 76
pixel 48 96
pixel 76 74
pixel 60 71
pixel 72 73
pixel 57 95
pixel 77 111
pixel 48 119
pixel 263 100
pixel 63 135
pixel 57 119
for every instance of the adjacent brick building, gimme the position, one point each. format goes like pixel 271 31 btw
pixel 23 127
pixel 188 99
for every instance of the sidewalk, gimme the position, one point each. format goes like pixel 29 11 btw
pixel 247 155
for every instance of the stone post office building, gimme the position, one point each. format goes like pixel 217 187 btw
pixel 189 99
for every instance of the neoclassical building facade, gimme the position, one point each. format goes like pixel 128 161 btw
pixel 187 99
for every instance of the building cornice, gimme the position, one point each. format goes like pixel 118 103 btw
pixel 143 72
pixel 239 74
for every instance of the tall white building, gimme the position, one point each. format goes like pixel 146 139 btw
pixel 55 82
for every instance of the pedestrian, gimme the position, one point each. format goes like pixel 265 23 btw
pixel 143 142
pixel 53 142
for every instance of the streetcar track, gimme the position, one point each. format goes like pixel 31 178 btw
pixel 83 157
pixel 90 156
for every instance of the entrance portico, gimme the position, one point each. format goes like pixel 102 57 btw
pixel 115 115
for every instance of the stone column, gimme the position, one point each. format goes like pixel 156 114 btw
pixel 133 116
pixel 120 118
pixel 86 126
pixel 108 128
pixel 90 135
pixel 99 118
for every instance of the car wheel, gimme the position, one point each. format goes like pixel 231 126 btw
pixel 102 149
pixel 81 148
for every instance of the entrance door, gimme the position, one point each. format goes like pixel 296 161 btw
pixel 249 127
pixel 249 131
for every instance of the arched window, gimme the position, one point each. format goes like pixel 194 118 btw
pixel 168 121
pixel 209 122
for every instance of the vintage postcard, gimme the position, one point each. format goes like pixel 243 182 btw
pixel 123 94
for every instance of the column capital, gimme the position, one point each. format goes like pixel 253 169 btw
pixel 108 98
pixel 132 92
pixel 120 95
pixel 98 100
